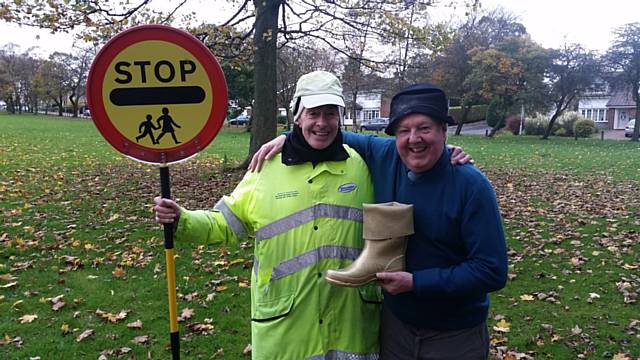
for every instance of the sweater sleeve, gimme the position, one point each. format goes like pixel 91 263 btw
pixel 484 269
pixel 370 147
pixel 228 222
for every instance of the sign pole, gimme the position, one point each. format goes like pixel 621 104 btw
pixel 165 190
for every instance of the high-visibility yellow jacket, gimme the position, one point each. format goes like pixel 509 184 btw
pixel 304 220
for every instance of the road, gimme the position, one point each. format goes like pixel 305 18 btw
pixel 481 128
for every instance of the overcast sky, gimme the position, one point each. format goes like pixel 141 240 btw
pixel 550 23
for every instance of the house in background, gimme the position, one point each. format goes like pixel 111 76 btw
pixel 621 108
pixel 608 106
pixel 370 104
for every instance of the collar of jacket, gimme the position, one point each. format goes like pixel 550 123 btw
pixel 297 150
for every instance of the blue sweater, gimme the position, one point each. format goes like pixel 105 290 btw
pixel 458 252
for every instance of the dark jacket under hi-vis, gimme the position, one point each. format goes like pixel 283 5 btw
pixel 304 221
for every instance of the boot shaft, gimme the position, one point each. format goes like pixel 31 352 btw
pixel 387 220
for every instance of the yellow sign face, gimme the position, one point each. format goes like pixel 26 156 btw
pixel 157 94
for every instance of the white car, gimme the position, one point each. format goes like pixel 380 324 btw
pixel 628 131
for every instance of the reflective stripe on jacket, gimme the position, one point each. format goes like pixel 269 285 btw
pixel 304 220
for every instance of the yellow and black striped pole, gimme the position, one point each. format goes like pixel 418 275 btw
pixel 165 190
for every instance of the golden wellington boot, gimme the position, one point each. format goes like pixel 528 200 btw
pixel 386 229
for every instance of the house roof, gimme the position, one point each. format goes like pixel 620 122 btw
pixel 621 98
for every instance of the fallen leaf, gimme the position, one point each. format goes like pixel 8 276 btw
pixel 186 314
pixel 243 282
pixel 236 261
pixel 112 317
pixel 142 339
pixel 247 350
pixel 27 319
pixel 135 325
pixel 118 272
pixel 85 334
pixel 200 328
pixel 7 277
pixel 527 297
pixel 191 297
pixel 576 330
pixel 502 326
pixel 9 285
pixel 621 356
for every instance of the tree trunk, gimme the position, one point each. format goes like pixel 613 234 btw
pixel 74 104
pixel 552 121
pixel 11 107
pixel 465 112
pixel 60 106
pixel 636 98
pixel 354 112
pixel 498 126
pixel 289 123
pixel 264 124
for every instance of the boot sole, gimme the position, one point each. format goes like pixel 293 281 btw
pixel 348 284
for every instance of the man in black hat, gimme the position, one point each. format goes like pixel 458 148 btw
pixel 437 308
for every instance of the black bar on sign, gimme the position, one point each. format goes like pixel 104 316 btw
pixel 157 95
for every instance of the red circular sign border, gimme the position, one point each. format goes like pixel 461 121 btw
pixel 192 45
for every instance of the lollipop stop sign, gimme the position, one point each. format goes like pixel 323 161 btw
pixel 159 96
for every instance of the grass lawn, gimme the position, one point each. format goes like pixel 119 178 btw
pixel 82 262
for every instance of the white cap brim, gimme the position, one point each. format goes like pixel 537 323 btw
pixel 311 101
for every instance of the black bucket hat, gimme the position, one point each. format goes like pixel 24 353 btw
pixel 425 99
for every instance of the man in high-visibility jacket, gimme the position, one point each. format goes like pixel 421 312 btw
pixel 304 211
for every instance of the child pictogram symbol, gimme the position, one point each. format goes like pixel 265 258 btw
pixel 146 128
pixel 166 122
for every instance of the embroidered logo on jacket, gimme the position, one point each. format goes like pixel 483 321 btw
pixel 345 188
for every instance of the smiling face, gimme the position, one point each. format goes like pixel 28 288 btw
pixel 420 141
pixel 320 125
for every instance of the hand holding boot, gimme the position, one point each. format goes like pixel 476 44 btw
pixel 395 282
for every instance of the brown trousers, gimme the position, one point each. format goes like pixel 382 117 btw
pixel 400 341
